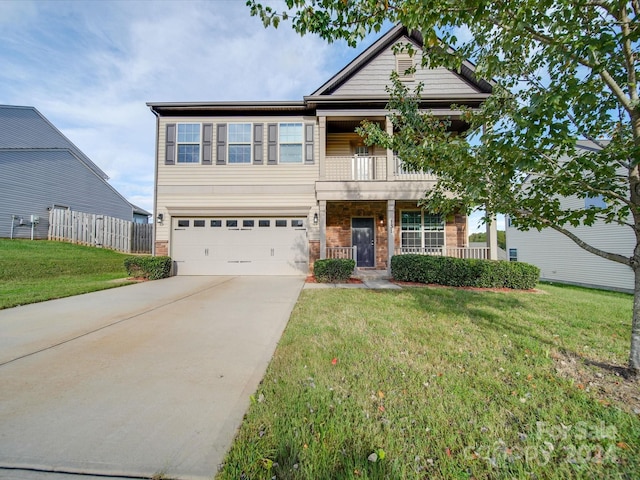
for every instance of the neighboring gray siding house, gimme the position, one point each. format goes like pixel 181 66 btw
pixel 41 169
pixel 269 187
pixel 561 260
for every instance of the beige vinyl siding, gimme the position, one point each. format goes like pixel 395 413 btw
pixel 373 78
pixel 561 260
pixel 194 186
pixel 342 145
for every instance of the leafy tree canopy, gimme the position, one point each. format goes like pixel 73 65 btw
pixel 562 70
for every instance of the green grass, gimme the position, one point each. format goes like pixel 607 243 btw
pixel 35 271
pixel 442 383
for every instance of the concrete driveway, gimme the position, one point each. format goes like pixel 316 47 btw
pixel 148 379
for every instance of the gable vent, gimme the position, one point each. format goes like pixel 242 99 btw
pixel 404 62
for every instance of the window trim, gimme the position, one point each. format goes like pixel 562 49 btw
pixel 301 143
pixel 248 143
pixel 179 143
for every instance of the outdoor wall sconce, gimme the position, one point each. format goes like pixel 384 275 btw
pixel 315 218
pixel 160 217
pixel 381 218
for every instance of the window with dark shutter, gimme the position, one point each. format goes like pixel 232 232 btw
pixel 207 137
pixel 221 144
pixel 272 143
pixel 170 144
pixel 258 138
pixel 308 144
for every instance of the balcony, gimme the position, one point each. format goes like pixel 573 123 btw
pixel 369 169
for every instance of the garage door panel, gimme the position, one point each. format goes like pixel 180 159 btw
pixel 241 249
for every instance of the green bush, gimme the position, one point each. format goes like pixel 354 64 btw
pixel 333 270
pixel 151 268
pixel 460 272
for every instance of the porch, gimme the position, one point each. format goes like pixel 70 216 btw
pixel 371 232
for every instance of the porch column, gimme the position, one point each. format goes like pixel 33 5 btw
pixel 391 216
pixel 322 131
pixel 322 221
pixel 492 238
pixel 391 167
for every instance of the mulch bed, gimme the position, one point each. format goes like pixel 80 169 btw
pixel 355 281
pixel 473 289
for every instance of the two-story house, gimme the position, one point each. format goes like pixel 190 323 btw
pixel 269 187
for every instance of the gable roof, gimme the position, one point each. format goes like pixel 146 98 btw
pixel 470 90
pixel 393 36
pixel 26 128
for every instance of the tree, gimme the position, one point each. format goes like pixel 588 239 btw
pixel 563 70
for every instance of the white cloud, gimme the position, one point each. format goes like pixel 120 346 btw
pixel 89 67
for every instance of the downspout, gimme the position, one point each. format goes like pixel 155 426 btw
pixel 155 184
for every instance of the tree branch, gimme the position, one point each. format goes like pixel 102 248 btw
pixel 604 74
pixel 614 257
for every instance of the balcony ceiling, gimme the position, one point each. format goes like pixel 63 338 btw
pixel 346 126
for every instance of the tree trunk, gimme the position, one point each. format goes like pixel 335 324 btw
pixel 634 352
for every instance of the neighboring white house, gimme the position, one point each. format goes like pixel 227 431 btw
pixel 561 260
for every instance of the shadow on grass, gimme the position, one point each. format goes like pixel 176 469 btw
pixel 497 312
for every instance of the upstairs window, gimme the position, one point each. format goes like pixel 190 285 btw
pixel 239 143
pixel 188 143
pixel 290 140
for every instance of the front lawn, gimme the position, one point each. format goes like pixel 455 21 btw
pixel 446 383
pixel 35 271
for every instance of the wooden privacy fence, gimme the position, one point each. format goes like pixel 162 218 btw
pixel 100 231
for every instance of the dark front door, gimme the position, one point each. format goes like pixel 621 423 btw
pixel 362 238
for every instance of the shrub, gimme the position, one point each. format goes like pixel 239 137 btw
pixel 333 270
pixel 151 268
pixel 460 272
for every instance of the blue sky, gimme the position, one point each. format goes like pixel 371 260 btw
pixel 90 67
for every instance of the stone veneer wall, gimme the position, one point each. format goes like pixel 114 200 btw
pixel 314 253
pixel 162 248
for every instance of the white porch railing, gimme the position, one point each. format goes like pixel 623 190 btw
pixel 342 252
pixel 481 253
pixel 369 168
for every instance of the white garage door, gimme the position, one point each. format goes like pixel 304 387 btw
pixel 240 246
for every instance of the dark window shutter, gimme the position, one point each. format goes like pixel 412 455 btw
pixel 272 138
pixel 308 143
pixel 207 137
pixel 221 143
pixel 170 145
pixel 258 139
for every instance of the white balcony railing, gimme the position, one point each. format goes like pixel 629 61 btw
pixel 369 168
pixel 481 253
